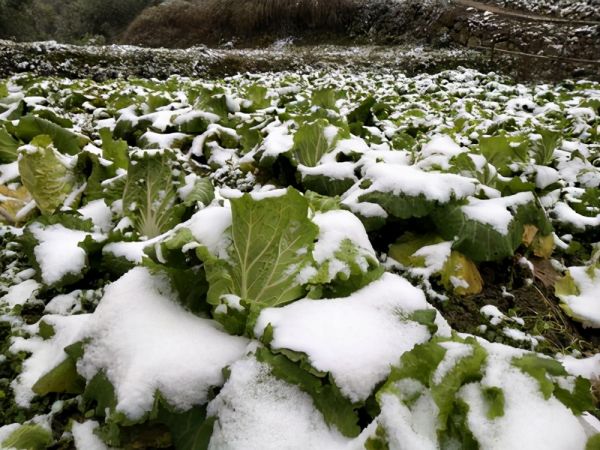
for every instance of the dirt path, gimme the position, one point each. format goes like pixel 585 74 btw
pixel 522 15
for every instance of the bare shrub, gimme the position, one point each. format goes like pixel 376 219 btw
pixel 180 23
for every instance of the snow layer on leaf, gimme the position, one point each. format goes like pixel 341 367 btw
pixel 58 253
pixel 351 145
pixel 208 227
pixel 64 304
pixel 494 315
pixel 566 215
pixel 586 305
pixel 441 145
pixel 18 294
pixel 545 176
pixel 145 341
pixel 84 437
pixel 336 226
pixel 586 367
pixel 409 429
pixel 434 256
pixel 99 213
pixel 162 140
pixel 7 430
pixel 333 170
pixel 495 211
pixel 256 411
pixel 529 420
pixel 455 351
pixel 191 115
pixel 355 338
pixel 132 251
pixel 409 180
pixel 278 140
pixel 46 354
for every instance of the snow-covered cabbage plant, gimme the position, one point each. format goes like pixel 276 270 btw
pixel 260 262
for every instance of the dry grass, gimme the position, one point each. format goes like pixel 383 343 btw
pixel 182 23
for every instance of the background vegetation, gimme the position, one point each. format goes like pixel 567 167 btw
pixel 182 23
pixel 172 23
pixel 73 21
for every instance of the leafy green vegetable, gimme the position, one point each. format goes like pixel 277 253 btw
pixel 202 190
pixel 114 150
pixel 399 205
pixel 495 399
pixel 543 148
pixel 190 430
pixel 322 203
pixel 336 409
pixel 501 150
pixel 361 116
pixel 257 95
pixel 8 147
pixel 310 143
pixel 271 241
pixel 593 442
pixel 63 378
pixel 482 242
pixel 325 98
pixel 46 174
pixel 458 273
pixel 149 197
pixel 65 140
pixel 29 437
pixel 360 270
pixel 544 370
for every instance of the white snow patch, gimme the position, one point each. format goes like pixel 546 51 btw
pixel 208 227
pixel 529 420
pixel 46 354
pixel 495 211
pixel 18 294
pixel 256 411
pixel 586 305
pixel 146 341
pixel 84 437
pixel 585 367
pixel 566 215
pixel 278 140
pixel 64 304
pixel 408 180
pixel 332 170
pixel 58 253
pixel 336 227
pixel 99 213
pixel 355 338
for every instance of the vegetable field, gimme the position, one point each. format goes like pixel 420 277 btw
pixel 280 261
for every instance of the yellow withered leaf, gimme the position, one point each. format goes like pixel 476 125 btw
pixel 543 246
pixel 11 202
pixel 461 275
pixel 529 233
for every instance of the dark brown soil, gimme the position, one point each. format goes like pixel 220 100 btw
pixel 534 303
